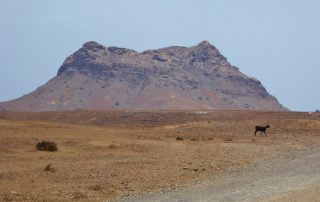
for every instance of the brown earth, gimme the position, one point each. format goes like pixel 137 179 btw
pixel 106 154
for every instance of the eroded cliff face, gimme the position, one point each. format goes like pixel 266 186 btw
pixel 99 77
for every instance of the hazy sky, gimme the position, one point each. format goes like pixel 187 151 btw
pixel 276 41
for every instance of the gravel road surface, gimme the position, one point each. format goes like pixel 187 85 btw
pixel 262 182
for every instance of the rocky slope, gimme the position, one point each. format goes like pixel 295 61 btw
pixel 99 77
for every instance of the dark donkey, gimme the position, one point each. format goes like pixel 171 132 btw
pixel 261 129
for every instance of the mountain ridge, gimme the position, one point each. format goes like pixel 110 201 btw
pixel 98 77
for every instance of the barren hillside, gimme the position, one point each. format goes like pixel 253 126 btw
pixel 102 78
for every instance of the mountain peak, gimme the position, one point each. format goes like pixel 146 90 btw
pixel 92 45
pixel 120 51
pixel 205 43
pixel 206 46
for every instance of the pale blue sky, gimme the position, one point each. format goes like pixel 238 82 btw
pixel 276 41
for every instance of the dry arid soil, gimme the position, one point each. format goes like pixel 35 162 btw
pixel 107 154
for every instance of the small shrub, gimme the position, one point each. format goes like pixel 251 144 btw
pixel 49 168
pixel 194 139
pixel 113 146
pixel 96 187
pixel 179 138
pixel 46 146
pixel 229 139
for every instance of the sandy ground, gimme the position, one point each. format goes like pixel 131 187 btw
pixel 104 155
pixel 288 177
pixel 308 193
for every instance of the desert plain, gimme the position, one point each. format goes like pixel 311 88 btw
pixel 111 155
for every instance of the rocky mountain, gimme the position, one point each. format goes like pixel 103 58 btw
pixel 98 77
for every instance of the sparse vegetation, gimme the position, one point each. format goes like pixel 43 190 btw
pixel 47 146
pixel 96 187
pixel 228 139
pixel 179 138
pixel 114 146
pixel 48 167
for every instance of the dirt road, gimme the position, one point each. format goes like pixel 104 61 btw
pixel 270 180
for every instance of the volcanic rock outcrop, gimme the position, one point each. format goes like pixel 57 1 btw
pixel 101 78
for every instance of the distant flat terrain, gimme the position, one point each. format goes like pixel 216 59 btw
pixel 110 154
